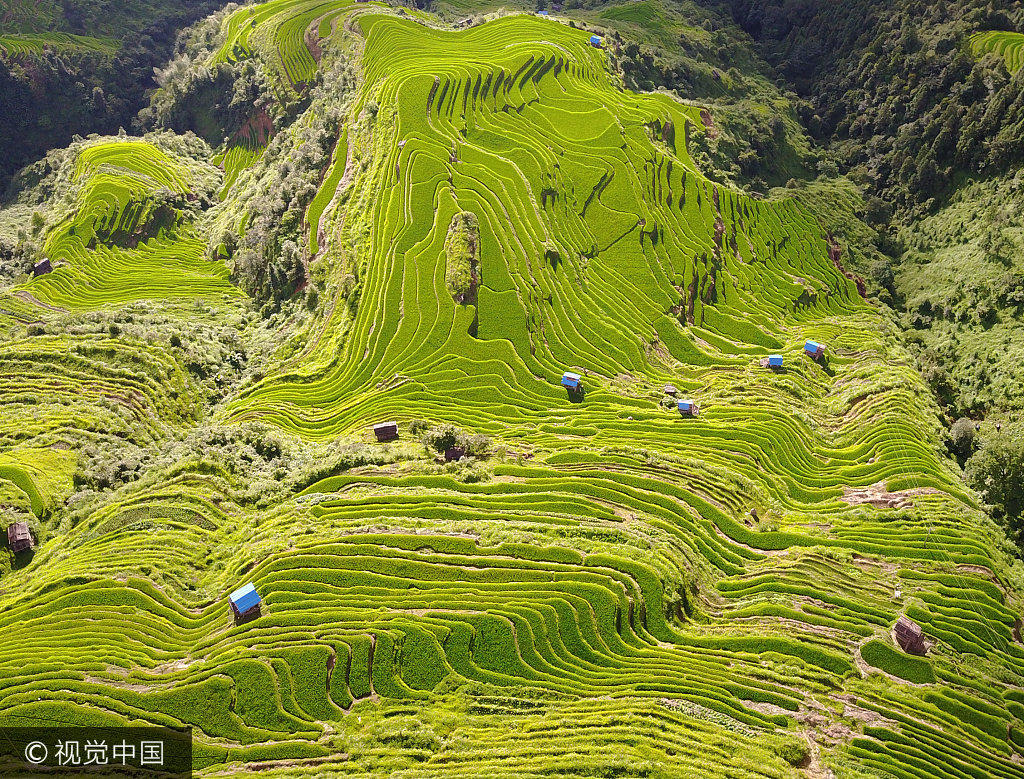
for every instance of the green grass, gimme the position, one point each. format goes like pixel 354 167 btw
pixel 895 662
pixel 43 475
pixel 326 193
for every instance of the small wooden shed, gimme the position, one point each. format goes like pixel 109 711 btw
pixel 245 603
pixel 386 431
pixel 454 453
pixel 42 267
pixel 19 537
pixel 596 42
pixel 814 350
pixel 572 381
pixel 687 408
pixel 773 361
pixel 909 636
pixel 670 389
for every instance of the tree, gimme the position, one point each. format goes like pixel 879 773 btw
pixel 963 438
pixel 996 471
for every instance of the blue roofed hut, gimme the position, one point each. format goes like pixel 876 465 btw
pixel 775 361
pixel 572 381
pixel 245 603
pixel 596 42
pixel 687 408
pixel 814 350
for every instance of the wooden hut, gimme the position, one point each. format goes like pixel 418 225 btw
pixel 670 389
pixel 596 42
pixel 454 453
pixel 572 381
pixel 909 636
pixel 772 362
pixel 245 603
pixel 19 537
pixel 814 350
pixel 42 267
pixel 687 408
pixel 386 431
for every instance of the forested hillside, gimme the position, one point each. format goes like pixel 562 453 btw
pixel 922 105
pixel 543 374
pixel 79 66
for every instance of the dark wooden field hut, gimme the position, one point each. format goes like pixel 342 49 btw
pixel 42 267
pixel 19 537
pixel 670 389
pixel 909 636
pixel 386 431
pixel 245 603
pixel 454 453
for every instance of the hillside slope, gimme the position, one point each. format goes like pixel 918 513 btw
pixel 922 105
pixel 79 66
pixel 604 585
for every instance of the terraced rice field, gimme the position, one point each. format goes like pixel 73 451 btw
pixel 28 44
pixel 126 239
pixel 276 32
pixel 1008 45
pixel 618 590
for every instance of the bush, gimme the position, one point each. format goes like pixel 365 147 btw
pixel 794 751
pixel 442 437
pixel 461 250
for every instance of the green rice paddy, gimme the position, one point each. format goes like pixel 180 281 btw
pixel 28 44
pixel 120 243
pixel 1008 45
pixel 617 590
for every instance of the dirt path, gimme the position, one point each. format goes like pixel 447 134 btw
pixel 879 496
pixel 28 296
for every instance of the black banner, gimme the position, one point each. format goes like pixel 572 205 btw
pixel 143 752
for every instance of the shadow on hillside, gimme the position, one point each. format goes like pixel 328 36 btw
pixel 21 559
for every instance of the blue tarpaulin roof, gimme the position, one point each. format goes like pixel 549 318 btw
pixel 686 405
pixel 775 360
pixel 570 379
pixel 245 598
pixel 813 346
pixel 595 40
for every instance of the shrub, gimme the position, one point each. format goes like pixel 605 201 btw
pixel 794 751
pixel 461 255
pixel 442 437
